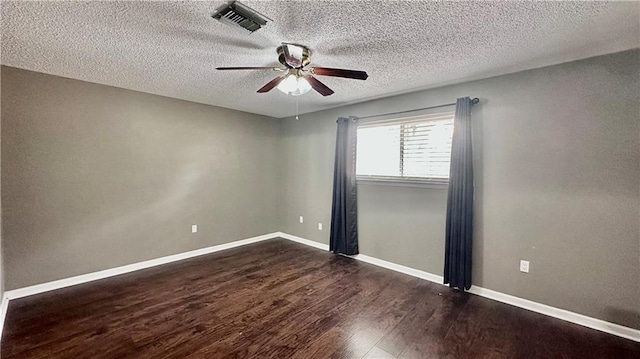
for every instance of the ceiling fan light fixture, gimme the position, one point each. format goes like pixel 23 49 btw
pixel 294 85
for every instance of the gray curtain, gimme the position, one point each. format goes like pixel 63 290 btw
pixel 459 227
pixel 344 212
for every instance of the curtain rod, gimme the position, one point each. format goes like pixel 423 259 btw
pixel 474 101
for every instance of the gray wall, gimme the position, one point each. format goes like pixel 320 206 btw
pixel 558 183
pixel 1 254
pixel 95 177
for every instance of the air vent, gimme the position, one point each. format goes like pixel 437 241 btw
pixel 238 14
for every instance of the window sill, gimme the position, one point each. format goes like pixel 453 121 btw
pixel 401 182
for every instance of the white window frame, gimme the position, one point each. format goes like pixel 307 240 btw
pixel 403 181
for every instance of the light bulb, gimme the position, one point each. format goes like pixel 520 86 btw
pixel 294 85
pixel 289 84
pixel 303 86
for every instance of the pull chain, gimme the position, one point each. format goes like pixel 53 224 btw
pixel 297 108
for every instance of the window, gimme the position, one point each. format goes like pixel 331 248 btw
pixel 409 149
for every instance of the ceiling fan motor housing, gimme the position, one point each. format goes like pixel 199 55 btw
pixel 305 58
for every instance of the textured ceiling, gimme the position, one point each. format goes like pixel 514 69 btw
pixel 172 48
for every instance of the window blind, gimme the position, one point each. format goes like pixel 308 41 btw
pixel 416 147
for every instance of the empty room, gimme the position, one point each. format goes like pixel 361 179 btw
pixel 320 179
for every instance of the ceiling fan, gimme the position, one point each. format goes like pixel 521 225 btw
pixel 296 79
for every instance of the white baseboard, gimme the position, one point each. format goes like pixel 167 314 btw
pixel 598 324
pixel 372 260
pixel 576 318
pixel 89 277
pixel 399 268
pixel 4 305
pixel 304 241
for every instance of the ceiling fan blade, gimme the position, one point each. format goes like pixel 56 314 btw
pixel 292 55
pixel 269 86
pixel 249 68
pixel 319 86
pixel 350 74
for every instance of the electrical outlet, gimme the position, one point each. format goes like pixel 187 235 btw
pixel 194 228
pixel 319 226
pixel 524 266
pixel 301 219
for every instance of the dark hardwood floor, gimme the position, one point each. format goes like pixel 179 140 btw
pixel 279 299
